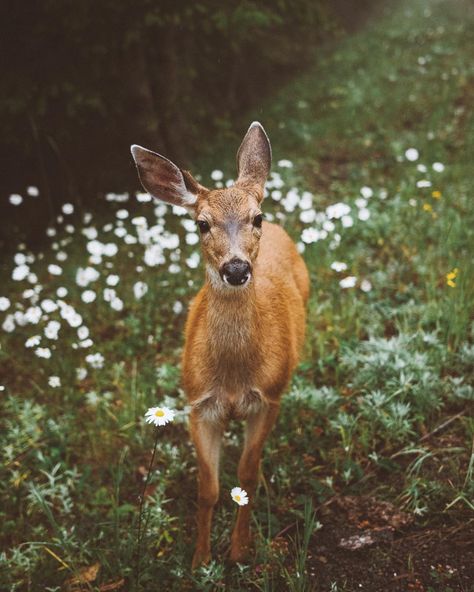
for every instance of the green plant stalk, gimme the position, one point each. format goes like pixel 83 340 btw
pixel 140 513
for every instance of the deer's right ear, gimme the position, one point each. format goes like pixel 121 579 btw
pixel 163 179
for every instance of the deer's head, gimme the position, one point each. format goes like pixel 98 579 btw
pixel 229 220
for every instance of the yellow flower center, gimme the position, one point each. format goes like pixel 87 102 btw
pixel 159 413
pixel 237 498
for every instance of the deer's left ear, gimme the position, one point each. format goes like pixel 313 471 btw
pixel 254 157
pixel 164 180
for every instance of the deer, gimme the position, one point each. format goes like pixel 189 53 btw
pixel 245 328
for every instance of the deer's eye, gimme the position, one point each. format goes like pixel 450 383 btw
pixel 257 221
pixel 203 226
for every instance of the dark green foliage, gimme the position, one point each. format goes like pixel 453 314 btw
pixel 82 80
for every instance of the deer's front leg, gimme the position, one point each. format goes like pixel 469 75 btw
pixel 207 437
pixel 258 427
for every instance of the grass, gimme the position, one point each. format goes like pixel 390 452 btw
pixel 383 367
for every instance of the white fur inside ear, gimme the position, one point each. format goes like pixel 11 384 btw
pixel 189 199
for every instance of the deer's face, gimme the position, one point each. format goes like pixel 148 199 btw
pixel 229 219
pixel 230 224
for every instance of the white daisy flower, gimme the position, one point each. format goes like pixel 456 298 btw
pixel 52 329
pixel 159 416
pixel 139 290
pixel 49 305
pixel 139 221
pixel 122 214
pixel 88 296
pixel 33 341
pixel 15 199
pixel 86 275
pixel 178 307
pixel 192 238
pixel 366 192
pixel 54 269
pixel 347 221
pixel 81 373
pixel 239 496
pixel 143 197
pixel 308 216
pixel 348 282
pixel 68 208
pixel 9 323
pixel 4 303
pixel 117 304
pixel 95 360
pixel 20 272
pixel 217 175
pixel 54 381
pixel 338 266
pixel 174 268
pixel 83 332
pixel 423 183
pixel 365 286
pixel 337 210
pixel 438 167
pixel 43 352
pixel 193 260
pixel 32 190
pixel 412 154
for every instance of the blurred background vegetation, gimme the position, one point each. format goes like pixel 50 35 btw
pixel 83 80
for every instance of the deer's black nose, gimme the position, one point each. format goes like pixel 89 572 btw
pixel 236 272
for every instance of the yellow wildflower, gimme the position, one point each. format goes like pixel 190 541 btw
pixel 436 194
pixel 451 276
pixel 427 207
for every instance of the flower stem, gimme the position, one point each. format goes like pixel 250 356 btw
pixel 140 513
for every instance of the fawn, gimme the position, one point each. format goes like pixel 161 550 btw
pixel 246 325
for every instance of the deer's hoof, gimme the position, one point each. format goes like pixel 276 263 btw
pixel 201 557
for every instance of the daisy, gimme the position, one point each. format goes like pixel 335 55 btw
pixel 15 199
pixel 412 154
pixel 140 289
pixel 43 352
pixel 239 496
pixel 217 175
pixel 54 381
pixel 4 303
pixel 348 282
pixel 159 416
pixel 33 341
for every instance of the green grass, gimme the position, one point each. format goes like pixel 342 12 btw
pixel 381 368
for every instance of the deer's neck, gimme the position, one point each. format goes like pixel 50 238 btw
pixel 232 325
